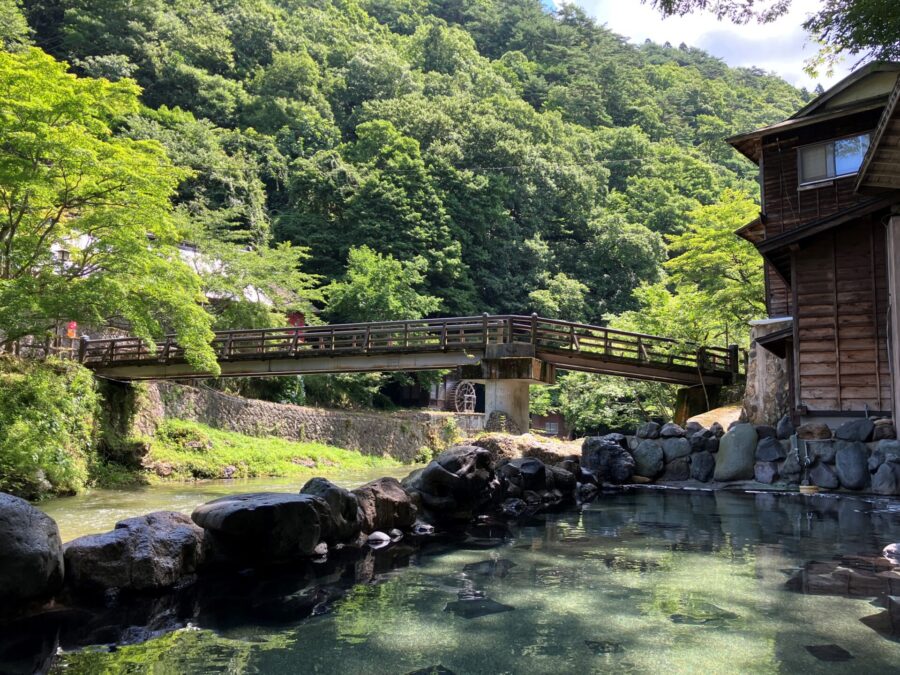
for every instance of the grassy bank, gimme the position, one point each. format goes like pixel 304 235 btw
pixel 48 427
pixel 187 450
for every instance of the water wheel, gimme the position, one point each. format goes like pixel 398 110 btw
pixel 464 397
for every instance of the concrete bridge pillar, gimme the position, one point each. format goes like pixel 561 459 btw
pixel 509 398
pixel 507 371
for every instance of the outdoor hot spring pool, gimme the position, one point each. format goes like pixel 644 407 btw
pixel 649 581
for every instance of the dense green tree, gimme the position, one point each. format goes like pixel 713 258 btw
pixel 379 288
pixel 14 31
pixel 87 229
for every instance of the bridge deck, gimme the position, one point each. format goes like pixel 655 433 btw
pixel 425 344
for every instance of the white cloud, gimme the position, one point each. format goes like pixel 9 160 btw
pixel 781 46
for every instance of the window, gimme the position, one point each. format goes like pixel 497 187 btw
pixel 824 161
pixel 551 427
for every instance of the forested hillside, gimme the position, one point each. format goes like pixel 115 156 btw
pixel 535 161
pixel 371 159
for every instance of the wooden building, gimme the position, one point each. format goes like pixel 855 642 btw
pixel 828 233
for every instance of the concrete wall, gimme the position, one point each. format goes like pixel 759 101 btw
pixel 400 435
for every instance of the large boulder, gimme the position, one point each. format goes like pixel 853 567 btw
pixel 456 482
pixel 790 469
pixel 648 430
pixel 31 554
pixel 141 554
pixel 525 473
pixel 384 505
pixel 343 525
pixel 609 461
pixel 886 480
pixel 648 459
pixel 703 464
pixel 852 465
pixel 765 472
pixel 675 447
pixel 262 527
pixel 677 470
pixel 737 454
pixel 814 431
pixel 671 430
pixel 770 449
pixel 884 430
pixel 822 451
pixel 785 428
pixel 859 429
pixel 824 476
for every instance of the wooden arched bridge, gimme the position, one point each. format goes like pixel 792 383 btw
pixel 425 344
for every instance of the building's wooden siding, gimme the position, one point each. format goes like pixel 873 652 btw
pixel 840 291
pixel 785 205
pixel 778 295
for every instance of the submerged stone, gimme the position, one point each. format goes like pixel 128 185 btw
pixel 476 608
pixel 432 670
pixel 829 653
pixel 601 647
pixel 703 614
pixel 490 568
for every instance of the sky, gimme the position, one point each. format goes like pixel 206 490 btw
pixel 782 46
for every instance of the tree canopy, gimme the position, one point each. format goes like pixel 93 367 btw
pixel 866 28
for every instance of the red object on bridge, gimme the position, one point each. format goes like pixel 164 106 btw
pixel 72 330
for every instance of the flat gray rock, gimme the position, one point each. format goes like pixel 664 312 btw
pixel 476 608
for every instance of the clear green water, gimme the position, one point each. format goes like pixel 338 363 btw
pixel 99 510
pixel 646 582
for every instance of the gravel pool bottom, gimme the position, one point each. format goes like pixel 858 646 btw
pixel 648 581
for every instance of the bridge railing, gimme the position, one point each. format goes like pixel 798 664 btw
pixel 471 332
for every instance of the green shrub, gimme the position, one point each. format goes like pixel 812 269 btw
pixel 48 420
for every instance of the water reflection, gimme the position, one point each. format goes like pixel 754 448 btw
pixel 647 581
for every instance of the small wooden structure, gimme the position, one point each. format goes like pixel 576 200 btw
pixel 828 233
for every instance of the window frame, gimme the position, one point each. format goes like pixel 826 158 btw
pixel 819 182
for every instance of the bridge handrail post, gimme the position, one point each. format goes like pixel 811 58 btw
pixel 572 338
pixel 406 334
pixel 484 330
pixel 534 318
pixel 82 348
pixel 508 330
pixel 701 357
pixel 368 338
pixel 734 359
pixel 165 356
pixel 640 349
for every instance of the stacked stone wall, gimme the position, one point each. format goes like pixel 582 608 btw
pixel 401 435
